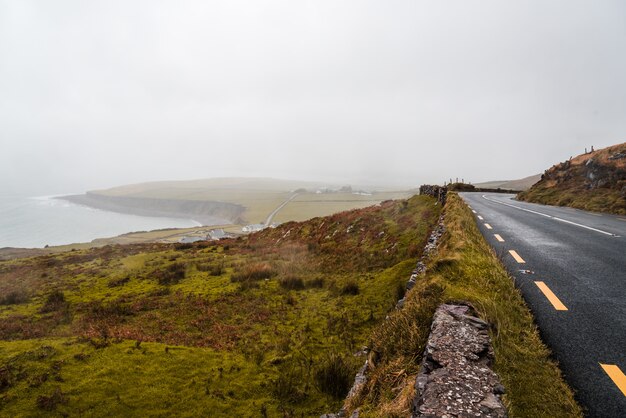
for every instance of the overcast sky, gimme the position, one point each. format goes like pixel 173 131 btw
pixel 101 93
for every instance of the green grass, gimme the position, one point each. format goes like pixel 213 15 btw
pixel 123 379
pixel 467 269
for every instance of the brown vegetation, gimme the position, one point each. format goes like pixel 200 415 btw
pixel 594 181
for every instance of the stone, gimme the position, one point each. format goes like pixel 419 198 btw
pixel 455 378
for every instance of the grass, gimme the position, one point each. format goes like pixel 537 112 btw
pixel 128 379
pixel 467 269
pixel 254 326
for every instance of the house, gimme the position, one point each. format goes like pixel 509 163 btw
pixel 253 228
pixel 216 234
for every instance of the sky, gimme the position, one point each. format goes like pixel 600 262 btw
pixel 95 94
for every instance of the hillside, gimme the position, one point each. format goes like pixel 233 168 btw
pixel 262 325
pixel 520 184
pixel 235 200
pixel 595 181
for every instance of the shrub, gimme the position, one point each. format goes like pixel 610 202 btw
pixel 287 386
pixel 315 283
pixel 258 271
pixel 50 402
pixel 118 282
pixel 400 291
pixel 183 246
pixel 14 298
pixel 54 302
pixel 173 274
pixel 350 288
pixel 292 283
pixel 334 376
pixel 214 269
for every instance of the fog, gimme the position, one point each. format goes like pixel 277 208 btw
pixel 97 94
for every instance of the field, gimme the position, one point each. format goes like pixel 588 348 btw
pixel 262 325
pixel 259 196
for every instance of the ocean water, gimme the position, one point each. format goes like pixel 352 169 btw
pixel 33 222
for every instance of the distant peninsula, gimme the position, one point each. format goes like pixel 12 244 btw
pixel 202 211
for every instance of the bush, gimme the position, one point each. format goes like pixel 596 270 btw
pixel 214 269
pixel 334 376
pixel 258 271
pixel 54 302
pixel 287 387
pixel 315 283
pixel 50 402
pixel 350 288
pixel 292 283
pixel 118 282
pixel 173 274
pixel 14 298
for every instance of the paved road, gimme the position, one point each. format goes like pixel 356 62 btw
pixel 576 288
pixel 268 221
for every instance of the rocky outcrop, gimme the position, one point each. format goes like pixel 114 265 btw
pixel 593 181
pixel 455 379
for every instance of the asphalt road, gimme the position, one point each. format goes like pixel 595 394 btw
pixel 270 217
pixel 575 285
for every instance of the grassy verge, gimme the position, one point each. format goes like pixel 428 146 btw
pixel 466 268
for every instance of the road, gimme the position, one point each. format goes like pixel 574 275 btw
pixel 571 268
pixel 268 221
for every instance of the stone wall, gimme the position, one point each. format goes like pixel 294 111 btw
pixel 456 378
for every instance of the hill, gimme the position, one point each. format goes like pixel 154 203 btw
pixel 595 181
pixel 520 184
pixel 236 201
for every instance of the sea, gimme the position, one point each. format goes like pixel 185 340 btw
pixel 34 222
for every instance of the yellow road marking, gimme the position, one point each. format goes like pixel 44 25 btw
pixel 616 375
pixel 480 217
pixel 488 226
pixel 558 305
pixel 516 256
pixel 498 237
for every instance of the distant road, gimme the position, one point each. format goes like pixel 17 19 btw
pixel 268 221
pixel 571 268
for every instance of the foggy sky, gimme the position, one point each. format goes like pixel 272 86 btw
pixel 100 93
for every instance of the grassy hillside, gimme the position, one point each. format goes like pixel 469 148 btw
pixel 521 184
pixel 264 325
pixel 467 269
pixel 595 181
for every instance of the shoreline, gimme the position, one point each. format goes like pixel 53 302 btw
pixel 206 213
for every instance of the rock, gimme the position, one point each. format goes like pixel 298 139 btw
pixel 455 379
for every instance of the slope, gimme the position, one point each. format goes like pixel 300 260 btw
pixel 595 181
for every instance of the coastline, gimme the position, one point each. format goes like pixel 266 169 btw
pixel 206 213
